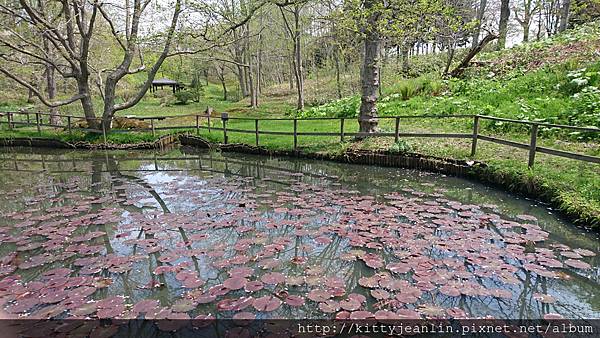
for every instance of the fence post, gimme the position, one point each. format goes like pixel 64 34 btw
pixel 342 129
pixel 28 120
pixel 208 117
pixel 197 125
pixel 475 134
pixel 152 125
pixel 103 130
pixel 295 134
pixel 69 124
pixel 224 118
pixel 256 130
pixel 533 144
pixel 8 116
pixel 397 130
pixel 37 122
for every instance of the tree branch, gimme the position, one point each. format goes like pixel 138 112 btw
pixel 37 92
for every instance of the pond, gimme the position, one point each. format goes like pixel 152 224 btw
pixel 183 233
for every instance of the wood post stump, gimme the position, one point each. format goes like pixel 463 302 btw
pixel 256 130
pixel 295 134
pixel 475 135
pixel 533 144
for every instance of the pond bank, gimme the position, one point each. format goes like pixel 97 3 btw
pixel 578 210
pixel 161 142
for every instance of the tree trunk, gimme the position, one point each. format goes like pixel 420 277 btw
pixel 539 30
pixel 450 57
pixel 298 74
pixel 503 26
pixel 30 95
pixel 51 89
pixel 50 84
pixel 291 78
pixel 458 71
pixel 221 75
pixel 405 57
pixel 370 72
pixel 479 17
pixel 242 79
pixel 86 103
pixel 253 94
pixel 298 59
pixel 338 83
pixel 564 15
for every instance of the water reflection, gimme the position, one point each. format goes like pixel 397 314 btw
pixel 203 233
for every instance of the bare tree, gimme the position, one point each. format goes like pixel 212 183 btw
pixel 69 29
pixel 294 8
pixel 529 8
pixel 479 17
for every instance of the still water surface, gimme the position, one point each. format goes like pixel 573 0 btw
pixel 188 234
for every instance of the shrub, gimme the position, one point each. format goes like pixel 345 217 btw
pixel 401 147
pixel 183 96
pixel 346 107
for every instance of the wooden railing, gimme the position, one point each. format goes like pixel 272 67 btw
pixel 532 147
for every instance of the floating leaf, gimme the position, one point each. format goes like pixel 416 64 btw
pixel 235 283
pixel 273 278
pixel 244 316
pixel 266 303
pixel 253 286
pixel 577 264
pixel 544 298
pixel 292 300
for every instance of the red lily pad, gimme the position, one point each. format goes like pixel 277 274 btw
pixel 380 294
pixel 578 264
pixel 235 283
pixel 318 295
pixel 544 298
pixel 553 316
pixel 273 278
pixel 585 252
pixel 146 306
pixel 266 303
pixel 293 300
pixel 253 286
pixel 244 316
pixel 386 315
pixel 329 306
pixel 361 315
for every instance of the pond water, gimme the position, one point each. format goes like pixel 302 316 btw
pixel 183 233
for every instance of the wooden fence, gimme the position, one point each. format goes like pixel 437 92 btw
pixel 72 124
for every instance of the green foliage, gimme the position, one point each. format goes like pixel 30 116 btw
pixel 401 147
pixel 346 107
pixel 196 88
pixel 183 96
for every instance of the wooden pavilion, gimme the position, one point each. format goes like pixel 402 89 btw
pixel 164 82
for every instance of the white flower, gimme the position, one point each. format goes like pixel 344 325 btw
pixel 579 82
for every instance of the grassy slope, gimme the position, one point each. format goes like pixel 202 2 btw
pixel 518 83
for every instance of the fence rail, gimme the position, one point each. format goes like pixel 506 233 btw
pixel 532 147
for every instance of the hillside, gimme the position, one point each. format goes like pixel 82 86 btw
pixel 554 80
